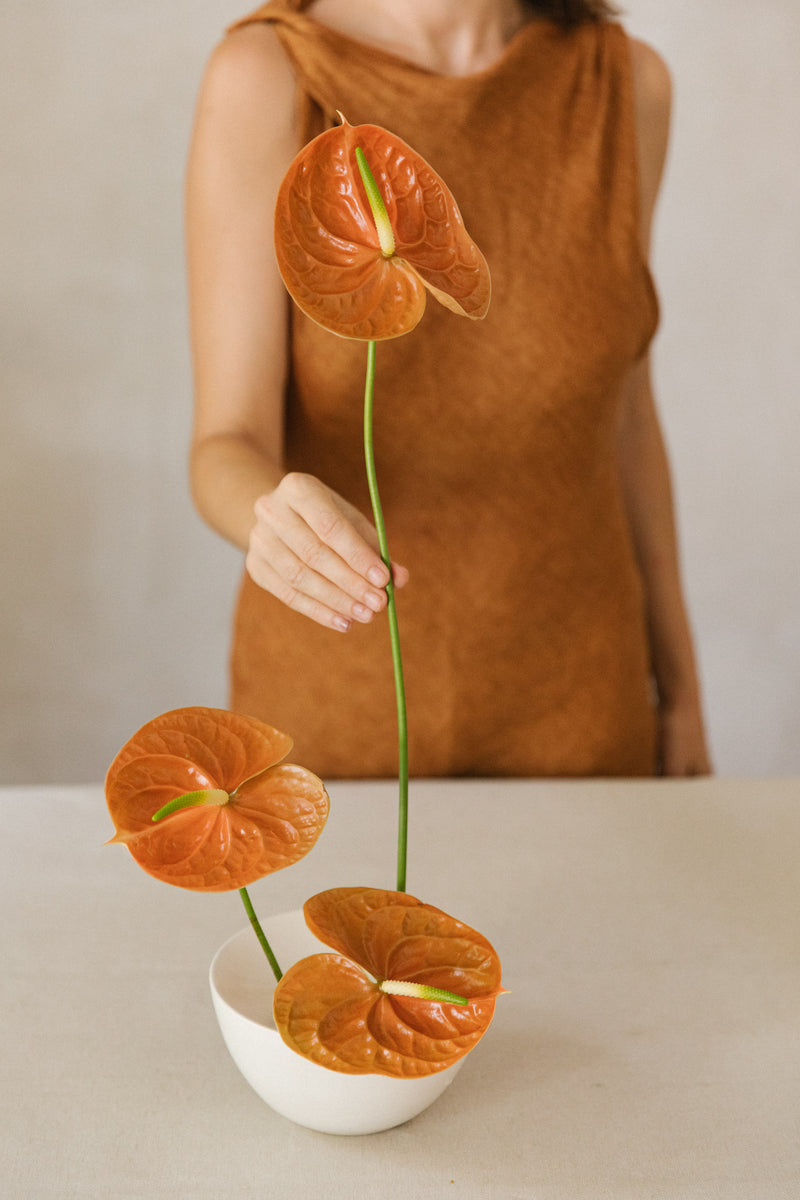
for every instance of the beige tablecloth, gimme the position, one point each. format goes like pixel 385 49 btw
pixel 650 1046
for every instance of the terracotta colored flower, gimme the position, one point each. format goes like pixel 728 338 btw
pixel 240 812
pixel 357 280
pixel 368 1009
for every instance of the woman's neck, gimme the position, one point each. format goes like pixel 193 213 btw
pixel 451 37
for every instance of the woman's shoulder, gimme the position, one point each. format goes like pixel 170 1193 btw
pixel 652 82
pixel 245 130
pixel 248 88
pixel 652 98
pixel 250 63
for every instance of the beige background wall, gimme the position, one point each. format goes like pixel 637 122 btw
pixel 115 600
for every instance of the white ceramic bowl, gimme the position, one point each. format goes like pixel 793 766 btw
pixel 328 1101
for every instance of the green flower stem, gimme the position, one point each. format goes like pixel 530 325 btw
pixel 219 797
pixel 259 932
pixel 394 633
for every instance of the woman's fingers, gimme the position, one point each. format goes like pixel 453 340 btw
pixel 306 585
pixel 683 744
pixel 317 554
pixel 265 575
pixel 350 534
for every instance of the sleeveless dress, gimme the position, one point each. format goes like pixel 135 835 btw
pixel 523 626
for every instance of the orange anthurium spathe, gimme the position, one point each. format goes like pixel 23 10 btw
pixel 368 1008
pixel 241 813
pixel 363 281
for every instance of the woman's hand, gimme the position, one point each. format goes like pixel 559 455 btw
pixel 318 554
pixel 683 750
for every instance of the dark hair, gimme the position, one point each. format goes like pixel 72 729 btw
pixel 574 12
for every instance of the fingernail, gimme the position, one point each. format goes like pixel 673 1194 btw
pixel 375 600
pixel 377 576
pixel 362 613
pixel 341 624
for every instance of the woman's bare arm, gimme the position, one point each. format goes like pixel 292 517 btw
pixel 648 494
pixel 645 476
pixel 304 543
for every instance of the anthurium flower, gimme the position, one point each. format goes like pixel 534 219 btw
pixel 365 281
pixel 229 811
pixel 410 991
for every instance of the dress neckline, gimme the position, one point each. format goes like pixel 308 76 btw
pixel 535 27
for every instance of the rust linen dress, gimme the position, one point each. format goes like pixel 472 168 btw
pixel 523 626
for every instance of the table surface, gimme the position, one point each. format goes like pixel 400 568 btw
pixel 649 1046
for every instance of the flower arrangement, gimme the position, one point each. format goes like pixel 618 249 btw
pixel 358 255
pixel 203 798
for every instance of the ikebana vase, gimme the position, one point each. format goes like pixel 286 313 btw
pixel 313 1096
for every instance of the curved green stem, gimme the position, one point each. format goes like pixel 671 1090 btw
pixel 259 932
pixel 394 633
pixel 218 797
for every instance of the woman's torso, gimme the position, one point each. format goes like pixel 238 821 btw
pixel 523 627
